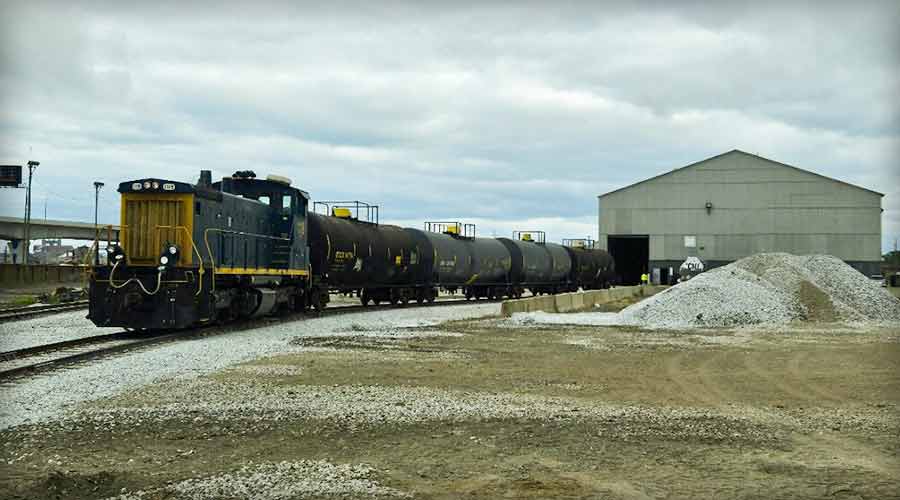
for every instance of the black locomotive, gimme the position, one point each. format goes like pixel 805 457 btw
pixel 244 247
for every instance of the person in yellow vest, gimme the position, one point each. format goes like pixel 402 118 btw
pixel 644 278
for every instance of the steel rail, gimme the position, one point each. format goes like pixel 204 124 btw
pixel 17 313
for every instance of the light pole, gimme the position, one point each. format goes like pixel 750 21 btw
pixel 31 166
pixel 97 186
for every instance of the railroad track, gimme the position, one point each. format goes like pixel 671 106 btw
pixel 19 313
pixel 43 358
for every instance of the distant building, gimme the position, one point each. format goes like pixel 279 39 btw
pixel 50 251
pixel 734 205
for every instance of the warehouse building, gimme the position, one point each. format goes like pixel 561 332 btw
pixel 734 205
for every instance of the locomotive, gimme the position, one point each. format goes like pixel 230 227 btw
pixel 245 247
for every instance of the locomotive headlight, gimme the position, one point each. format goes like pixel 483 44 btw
pixel 114 253
pixel 147 184
pixel 136 186
pixel 169 256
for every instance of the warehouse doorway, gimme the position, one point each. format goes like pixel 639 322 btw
pixel 631 254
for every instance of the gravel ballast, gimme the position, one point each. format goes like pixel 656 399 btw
pixel 48 329
pixel 45 397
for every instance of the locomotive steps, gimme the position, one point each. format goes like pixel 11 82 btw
pixel 575 302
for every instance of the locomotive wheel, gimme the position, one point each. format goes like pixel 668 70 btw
pixel 364 298
pixel 318 300
pixel 431 296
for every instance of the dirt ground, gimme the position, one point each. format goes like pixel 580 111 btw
pixel 507 411
pixel 24 295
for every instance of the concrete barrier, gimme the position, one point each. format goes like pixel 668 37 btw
pixel 12 275
pixel 572 302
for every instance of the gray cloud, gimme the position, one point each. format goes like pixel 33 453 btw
pixel 504 115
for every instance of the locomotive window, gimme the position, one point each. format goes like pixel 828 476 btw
pixel 197 208
pixel 264 199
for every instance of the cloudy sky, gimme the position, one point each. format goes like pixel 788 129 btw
pixel 509 117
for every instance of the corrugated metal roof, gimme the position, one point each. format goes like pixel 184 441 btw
pixel 738 151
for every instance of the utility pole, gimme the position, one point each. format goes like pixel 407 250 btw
pixel 97 186
pixel 31 166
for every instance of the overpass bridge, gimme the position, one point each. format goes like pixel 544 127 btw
pixel 13 229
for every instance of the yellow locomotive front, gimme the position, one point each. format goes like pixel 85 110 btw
pixel 155 278
pixel 150 219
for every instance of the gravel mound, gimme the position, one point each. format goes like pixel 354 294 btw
pixel 276 481
pixel 769 288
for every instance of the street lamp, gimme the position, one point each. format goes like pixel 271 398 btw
pixel 31 166
pixel 97 186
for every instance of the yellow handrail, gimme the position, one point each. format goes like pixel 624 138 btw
pixel 190 238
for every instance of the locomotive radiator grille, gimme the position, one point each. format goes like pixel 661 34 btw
pixel 149 221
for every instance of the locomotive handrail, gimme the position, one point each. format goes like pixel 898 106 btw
pixel 212 259
pixel 194 246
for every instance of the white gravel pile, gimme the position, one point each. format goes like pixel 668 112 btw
pixel 773 288
pixel 763 289
pixel 276 481
pixel 858 297
pixel 46 397
pixel 726 296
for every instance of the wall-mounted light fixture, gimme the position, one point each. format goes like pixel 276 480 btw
pixel 708 207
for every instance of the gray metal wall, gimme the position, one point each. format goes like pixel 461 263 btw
pixel 757 206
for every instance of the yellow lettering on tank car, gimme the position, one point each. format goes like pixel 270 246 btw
pixel 341 256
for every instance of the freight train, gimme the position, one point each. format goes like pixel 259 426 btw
pixel 245 247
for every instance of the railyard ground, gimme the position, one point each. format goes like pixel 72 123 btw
pixel 23 295
pixel 508 410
